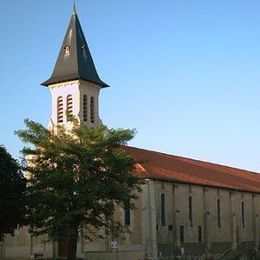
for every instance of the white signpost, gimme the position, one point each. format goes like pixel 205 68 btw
pixel 114 245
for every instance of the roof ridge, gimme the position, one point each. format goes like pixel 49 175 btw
pixel 166 167
pixel 198 161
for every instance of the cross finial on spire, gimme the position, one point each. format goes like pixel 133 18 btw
pixel 74 7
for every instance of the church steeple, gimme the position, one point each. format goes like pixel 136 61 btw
pixel 74 60
pixel 74 83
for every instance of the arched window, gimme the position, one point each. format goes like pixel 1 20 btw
pixel 242 214
pixel 85 108
pixel 219 213
pixel 59 110
pixel 69 107
pixel 163 222
pixel 199 234
pixel 92 110
pixel 190 211
pixel 181 233
pixel 127 213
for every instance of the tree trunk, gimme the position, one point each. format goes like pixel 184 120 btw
pixel 72 245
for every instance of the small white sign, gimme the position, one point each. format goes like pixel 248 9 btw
pixel 114 244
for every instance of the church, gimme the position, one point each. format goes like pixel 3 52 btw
pixel 187 208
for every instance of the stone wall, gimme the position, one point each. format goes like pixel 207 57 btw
pixel 149 235
pixel 218 221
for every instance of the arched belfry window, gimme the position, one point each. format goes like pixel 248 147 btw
pixel 69 107
pixel 92 110
pixel 190 210
pixel 60 110
pixel 219 213
pixel 85 108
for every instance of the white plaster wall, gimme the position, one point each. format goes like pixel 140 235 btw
pixel 63 90
pixel 91 90
pixel 77 89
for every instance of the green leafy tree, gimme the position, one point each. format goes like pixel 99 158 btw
pixel 78 177
pixel 12 186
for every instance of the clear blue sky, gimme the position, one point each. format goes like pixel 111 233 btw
pixel 184 73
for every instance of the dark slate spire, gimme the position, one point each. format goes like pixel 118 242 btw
pixel 74 60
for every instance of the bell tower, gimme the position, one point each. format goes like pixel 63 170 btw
pixel 74 83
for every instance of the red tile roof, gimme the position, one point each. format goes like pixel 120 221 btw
pixel 160 166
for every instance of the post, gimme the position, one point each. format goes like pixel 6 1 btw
pixel 206 215
pixel 82 241
pixel 173 220
pixel 44 248
pixel 234 231
pixel 176 212
pixel 233 220
pixel 256 231
pixel 178 239
pixel 149 218
pixel 31 244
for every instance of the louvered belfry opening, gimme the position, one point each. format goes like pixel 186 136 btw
pixel 60 110
pixel 85 108
pixel 92 109
pixel 69 107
